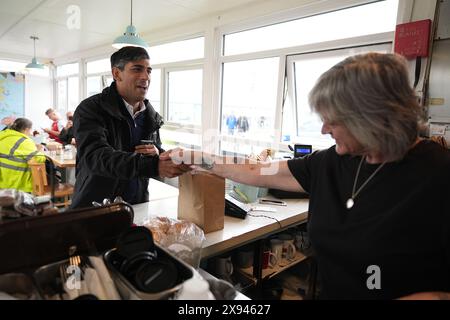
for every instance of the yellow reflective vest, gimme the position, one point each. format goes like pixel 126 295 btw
pixel 16 149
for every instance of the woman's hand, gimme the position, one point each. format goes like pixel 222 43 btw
pixel 147 149
pixel 427 296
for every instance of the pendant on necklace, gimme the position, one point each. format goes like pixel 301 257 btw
pixel 350 203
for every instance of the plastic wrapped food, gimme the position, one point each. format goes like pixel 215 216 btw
pixel 182 238
pixel 16 204
pixel 7 197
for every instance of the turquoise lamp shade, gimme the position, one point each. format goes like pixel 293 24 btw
pixel 129 38
pixel 34 65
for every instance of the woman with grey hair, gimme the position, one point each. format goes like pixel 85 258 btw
pixel 378 222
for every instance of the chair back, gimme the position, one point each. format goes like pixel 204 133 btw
pixel 38 177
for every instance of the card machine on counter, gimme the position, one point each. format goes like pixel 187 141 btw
pixel 235 209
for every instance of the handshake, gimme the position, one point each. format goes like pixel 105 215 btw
pixel 176 162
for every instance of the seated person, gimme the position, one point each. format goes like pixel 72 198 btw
pixel 66 135
pixel 55 130
pixel 16 149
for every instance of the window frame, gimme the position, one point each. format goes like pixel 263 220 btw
pixel 283 54
pixel 182 127
pixel 65 78
pixel 291 75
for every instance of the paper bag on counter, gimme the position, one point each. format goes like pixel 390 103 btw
pixel 201 200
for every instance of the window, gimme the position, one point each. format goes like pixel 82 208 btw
pixel 62 94
pixel 177 51
pixel 372 18
pixel 185 97
pixel 93 85
pixel 269 70
pixel 154 90
pixel 73 97
pixel 67 85
pixel 68 96
pixel 67 69
pixel 98 66
pixel 249 98
pixel 300 124
pixel 96 84
pixel 98 76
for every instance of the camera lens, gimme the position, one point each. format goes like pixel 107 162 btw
pixel 156 276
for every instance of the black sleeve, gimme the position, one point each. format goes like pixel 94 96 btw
pixel 303 168
pixel 98 156
pixel 64 136
pixel 158 142
pixel 159 122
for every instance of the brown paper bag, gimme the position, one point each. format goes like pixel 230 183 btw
pixel 201 200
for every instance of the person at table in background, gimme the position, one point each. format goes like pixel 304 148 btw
pixel 109 128
pixel 56 127
pixel 16 149
pixel 66 135
pixel 379 218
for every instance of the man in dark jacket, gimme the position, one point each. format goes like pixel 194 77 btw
pixel 109 128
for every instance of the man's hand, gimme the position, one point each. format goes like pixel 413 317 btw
pixel 147 149
pixel 184 156
pixel 69 124
pixel 168 169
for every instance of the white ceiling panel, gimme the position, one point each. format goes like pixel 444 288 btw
pixel 101 21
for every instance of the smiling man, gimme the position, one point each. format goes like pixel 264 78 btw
pixel 109 128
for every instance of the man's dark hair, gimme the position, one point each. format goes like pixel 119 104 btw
pixel 49 111
pixel 21 124
pixel 128 54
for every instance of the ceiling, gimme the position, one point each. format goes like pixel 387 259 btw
pixel 101 21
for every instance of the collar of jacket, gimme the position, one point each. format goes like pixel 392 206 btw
pixel 115 102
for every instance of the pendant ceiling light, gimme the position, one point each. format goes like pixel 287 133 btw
pixel 130 37
pixel 34 64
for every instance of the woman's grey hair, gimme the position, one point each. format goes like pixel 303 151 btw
pixel 371 96
pixel 21 124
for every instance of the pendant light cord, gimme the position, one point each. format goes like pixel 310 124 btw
pixel 131 12
pixel 34 45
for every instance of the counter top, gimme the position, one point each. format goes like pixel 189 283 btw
pixel 236 232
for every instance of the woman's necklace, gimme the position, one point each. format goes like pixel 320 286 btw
pixel 351 201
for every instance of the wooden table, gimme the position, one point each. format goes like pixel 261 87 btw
pixel 61 160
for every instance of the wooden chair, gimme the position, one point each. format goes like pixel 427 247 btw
pixel 41 186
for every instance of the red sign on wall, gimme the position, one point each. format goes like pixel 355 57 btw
pixel 412 39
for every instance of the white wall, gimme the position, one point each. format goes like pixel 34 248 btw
pixel 38 98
